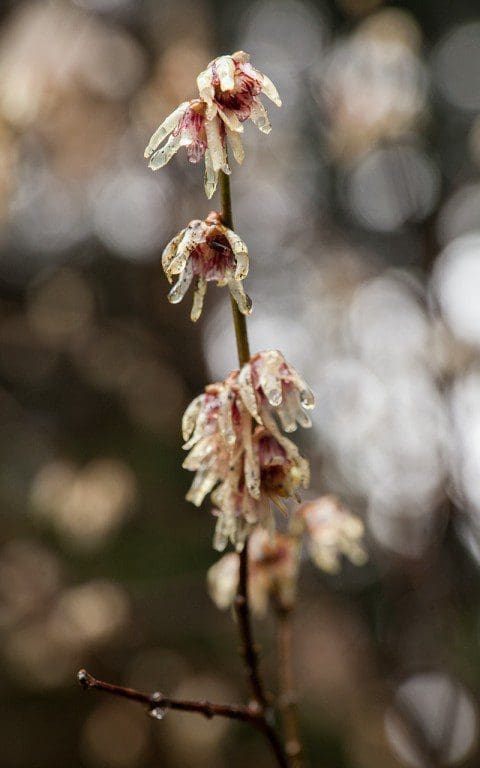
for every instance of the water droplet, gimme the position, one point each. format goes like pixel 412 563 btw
pixel 157 712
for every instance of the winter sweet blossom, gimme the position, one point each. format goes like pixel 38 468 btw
pixel 332 531
pixel 188 127
pixel 268 384
pixel 272 572
pixel 230 87
pixel 247 466
pixel 207 251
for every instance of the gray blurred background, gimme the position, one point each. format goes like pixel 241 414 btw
pixel 362 214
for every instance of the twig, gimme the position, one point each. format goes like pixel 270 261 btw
pixel 288 696
pixel 249 713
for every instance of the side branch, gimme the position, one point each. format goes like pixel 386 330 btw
pixel 249 714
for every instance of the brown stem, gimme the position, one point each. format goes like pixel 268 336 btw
pixel 249 649
pixel 242 606
pixel 288 696
pixel 249 714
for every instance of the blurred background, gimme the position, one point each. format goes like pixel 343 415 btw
pixel 362 214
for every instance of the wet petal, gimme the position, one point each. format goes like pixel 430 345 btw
pixel 190 416
pixel 240 252
pixel 211 176
pixel 162 156
pixel 198 297
pixel 165 128
pixel 247 392
pixel 216 144
pixel 182 285
pixel 243 301
pixel 203 483
pixel 269 90
pixel 230 119
pixel 170 250
pixel 241 57
pixel 225 67
pixel 237 145
pixel 259 116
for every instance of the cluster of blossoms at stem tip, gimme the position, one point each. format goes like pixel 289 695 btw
pixel 330 531
pixel 228 88
pixel 206 251
pixel 238 451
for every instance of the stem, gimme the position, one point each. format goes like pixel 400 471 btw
pixel 239 320
pixel 158 700
pixel 288 696
pixel 242 606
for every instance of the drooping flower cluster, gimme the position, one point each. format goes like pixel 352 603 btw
pixel 207 251
pixel 229 90
pixel 273 564
pixel 332 531
pixel 247 463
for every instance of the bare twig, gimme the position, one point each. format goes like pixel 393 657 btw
pixel 247 713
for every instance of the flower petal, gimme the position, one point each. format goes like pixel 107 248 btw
pixel 211 176
pixel 269 90
pixel 163 155
pixel 165 128
pixel 259 116
pixel 230 119
pixel 225 67
pixel 240 252
pixel 216 144
pixel 243 301
pixel 182 285
pixel 198 297
pixel 236 145
pixel 190 416
pixel 170 250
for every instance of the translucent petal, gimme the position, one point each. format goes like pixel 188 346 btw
pixel 193 235
pixel 205 85
pixel 269 90
pixel 269 377
pixel 243 301
pixel 170 250
pixel 182 285
pixel 225 67
pixel 189 418
pixel 225 416
pixel 259 116
pixel 211 176
pixel 216 145
pixel 165 128
pixel 198 297
pixel 247 392
pixel 290 448
pixel 307 398
pixel 162 156
pixel 252 467
pixel 237 145
pixel 202 485
pixel 240 251
pixel 230 119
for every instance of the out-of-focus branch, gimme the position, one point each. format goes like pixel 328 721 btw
pixel 154 701
pixel 287 688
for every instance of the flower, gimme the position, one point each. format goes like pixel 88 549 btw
pixel 272 572
pixel 269 384
pixel 268 472
pixel 188 127
pixel 230 87
pixel 332 531
pixel 207 250
pixel 247 467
